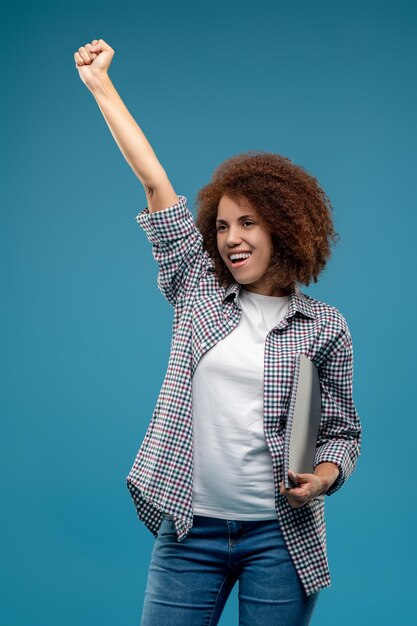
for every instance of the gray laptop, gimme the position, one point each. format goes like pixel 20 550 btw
pixel 303 420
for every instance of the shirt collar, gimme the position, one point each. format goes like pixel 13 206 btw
pixel 298 300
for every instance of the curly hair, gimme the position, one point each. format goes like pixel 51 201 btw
pixel 288 201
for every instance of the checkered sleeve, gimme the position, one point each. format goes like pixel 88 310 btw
pixel 340 434
pixel 177 245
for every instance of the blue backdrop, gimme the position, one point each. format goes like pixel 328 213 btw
pixel 329 85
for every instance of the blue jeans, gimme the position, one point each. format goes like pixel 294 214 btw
pixel 189 581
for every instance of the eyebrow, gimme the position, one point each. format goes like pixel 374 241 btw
pixel 240 219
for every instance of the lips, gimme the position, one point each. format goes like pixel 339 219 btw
pixel 239 252
pixel 240 263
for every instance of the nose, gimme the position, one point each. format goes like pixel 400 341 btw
pixel 232 237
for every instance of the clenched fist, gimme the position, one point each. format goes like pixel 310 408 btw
pixel 93 59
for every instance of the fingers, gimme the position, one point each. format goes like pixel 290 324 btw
pixel 296 496
pixel 86 54
pixel 89 48
pixel 83 56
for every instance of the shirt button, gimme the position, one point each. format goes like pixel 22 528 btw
pixel 230 322
pixel 202 344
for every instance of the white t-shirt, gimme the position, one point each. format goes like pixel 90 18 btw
pixel 233 474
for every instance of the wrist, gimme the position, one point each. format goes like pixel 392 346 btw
pixel 99 83
pixel 328 474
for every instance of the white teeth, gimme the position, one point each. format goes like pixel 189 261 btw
pixel 240 256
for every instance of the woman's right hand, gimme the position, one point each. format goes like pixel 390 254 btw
pixel 93 59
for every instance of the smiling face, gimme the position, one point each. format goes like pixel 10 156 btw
pixel 239 229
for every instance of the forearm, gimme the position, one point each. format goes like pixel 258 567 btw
pixel 129 137
pixel 328 473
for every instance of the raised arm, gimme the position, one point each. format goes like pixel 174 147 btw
pixel 92 62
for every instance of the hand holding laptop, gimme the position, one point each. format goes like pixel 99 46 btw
pixel 308 487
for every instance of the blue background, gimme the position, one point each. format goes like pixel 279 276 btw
pixel 86 332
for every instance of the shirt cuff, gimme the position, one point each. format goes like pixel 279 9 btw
pixel 167 225
pixel 341 454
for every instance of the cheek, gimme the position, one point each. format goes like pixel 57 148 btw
pixel 266 253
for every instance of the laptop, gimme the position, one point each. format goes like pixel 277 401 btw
pixel 303 420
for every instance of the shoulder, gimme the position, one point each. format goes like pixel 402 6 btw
pixel 331 325
pixel 327 314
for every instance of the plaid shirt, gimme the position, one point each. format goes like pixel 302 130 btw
pixel 161 478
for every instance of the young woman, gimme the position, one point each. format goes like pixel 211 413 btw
pixel 208 478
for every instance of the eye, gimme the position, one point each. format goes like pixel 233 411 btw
pixel 245 222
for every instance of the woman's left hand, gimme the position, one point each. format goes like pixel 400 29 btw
pixel 309 487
